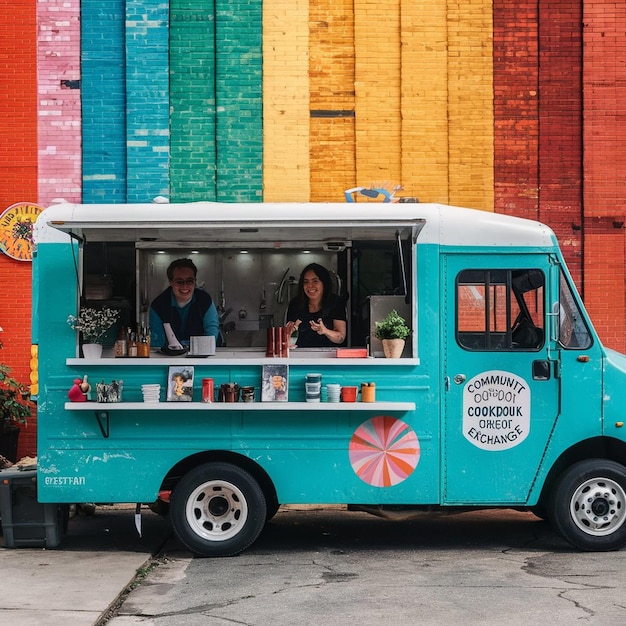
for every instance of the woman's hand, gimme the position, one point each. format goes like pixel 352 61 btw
pixel 291 325
pixel 319 327
pixel 336 335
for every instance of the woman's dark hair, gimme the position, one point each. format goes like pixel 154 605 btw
pixel 324 275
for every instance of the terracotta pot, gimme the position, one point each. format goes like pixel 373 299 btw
pixel 393 348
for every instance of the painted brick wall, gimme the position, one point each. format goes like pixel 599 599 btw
pixel 192 101
pixel 147 100
pixel 516 87
pixel 332 101
pixel 424 94
pixel 216 101
pixel 560 125
pixel 378 125
pixel 286 167
pixel 103 88
pixel 239 85
pixel 604 136
pixel 18 104
pixel 18 163
pixel 59 107
pixel 470 108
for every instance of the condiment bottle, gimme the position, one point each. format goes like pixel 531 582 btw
pixel 132 345
pixel 143 345
pixel 121 347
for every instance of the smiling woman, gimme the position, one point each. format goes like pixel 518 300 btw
pixel 319 314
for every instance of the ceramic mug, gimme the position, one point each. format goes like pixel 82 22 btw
pixel 348 394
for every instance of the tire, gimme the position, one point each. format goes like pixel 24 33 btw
pixel 217 509
pixel 588 507
pixel 272 507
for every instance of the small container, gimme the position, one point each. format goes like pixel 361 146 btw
pixel 368 392
pixel 333 392
pixel 247 394
pixel 207 390
pixel 229 392
pixel 348 394
pixel 313 387
pixel 143 350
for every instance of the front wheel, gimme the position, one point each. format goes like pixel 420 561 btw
pixel 217 509
pixel 588 506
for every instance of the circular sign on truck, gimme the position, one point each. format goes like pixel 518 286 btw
pixel 16 230
pixel 496 410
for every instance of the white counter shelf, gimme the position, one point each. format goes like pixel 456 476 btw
pixel 243 358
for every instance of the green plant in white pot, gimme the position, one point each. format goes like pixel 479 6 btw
pixel 392 332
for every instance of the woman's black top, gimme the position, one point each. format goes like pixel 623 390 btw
pixel 307 337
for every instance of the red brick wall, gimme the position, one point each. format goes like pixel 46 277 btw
pixel 560 126
pixel 515 84
pixel 604 83
pixel 18 183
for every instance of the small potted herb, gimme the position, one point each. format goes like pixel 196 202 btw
pixel 392 332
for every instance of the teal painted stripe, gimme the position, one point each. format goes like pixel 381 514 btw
pixel 103 101
pixel 147 99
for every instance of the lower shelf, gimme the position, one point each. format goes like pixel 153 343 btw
pixel 239 406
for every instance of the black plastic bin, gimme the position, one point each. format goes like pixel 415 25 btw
pixel 27 523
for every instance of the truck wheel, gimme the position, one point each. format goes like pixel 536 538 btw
pixel 589 505
pixel 217 509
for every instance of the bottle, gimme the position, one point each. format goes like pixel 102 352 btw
pixel 143 345
pixel 132 345
pixel 120 349
pixel 293 338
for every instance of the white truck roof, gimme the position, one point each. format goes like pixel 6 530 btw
pixel 272 223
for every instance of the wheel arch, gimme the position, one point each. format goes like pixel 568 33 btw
pixel 607 448
pixel 249 465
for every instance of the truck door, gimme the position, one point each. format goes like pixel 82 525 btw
pixel 501 396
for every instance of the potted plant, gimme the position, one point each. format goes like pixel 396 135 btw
pixel 392 332
pixel 15 408
pixel 93 324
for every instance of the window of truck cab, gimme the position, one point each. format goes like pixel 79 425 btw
pixel 500 309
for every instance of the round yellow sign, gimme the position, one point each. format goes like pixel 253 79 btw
pixel 16 230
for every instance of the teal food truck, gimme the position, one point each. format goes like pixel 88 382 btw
pixel 503 395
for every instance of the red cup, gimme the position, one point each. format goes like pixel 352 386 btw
pixel 271 342
pixel 207 390
pixel 348 394
pixel 280 346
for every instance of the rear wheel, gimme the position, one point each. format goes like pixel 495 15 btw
pixel 217 509
pixel 588 506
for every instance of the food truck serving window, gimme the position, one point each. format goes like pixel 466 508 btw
pixel 499 310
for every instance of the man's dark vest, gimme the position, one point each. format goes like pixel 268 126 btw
pixel 162 304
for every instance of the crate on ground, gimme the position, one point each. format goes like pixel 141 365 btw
pixel 26 523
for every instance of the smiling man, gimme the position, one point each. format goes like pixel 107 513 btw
pixel 190 311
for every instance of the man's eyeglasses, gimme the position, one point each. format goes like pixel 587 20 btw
pixel 182 282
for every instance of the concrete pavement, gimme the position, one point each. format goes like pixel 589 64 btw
pixel 78 581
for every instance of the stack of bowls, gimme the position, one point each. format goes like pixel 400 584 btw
pixel 333 392
pixel 151 393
